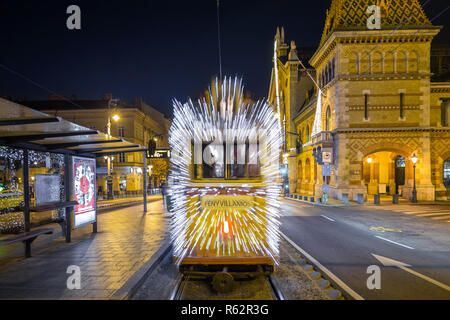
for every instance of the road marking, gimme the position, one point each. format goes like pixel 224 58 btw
pixel 327 217
pixel 441 218
pixel 383 229
pixel 395 242
pixel 325 270
pixel 387 262
pixel 434 214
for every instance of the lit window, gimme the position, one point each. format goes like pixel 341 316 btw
pixel 447 173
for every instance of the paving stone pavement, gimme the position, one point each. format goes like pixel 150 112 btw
pixel 126 239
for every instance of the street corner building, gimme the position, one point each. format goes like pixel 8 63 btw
pixel 384 101
pixel 135 121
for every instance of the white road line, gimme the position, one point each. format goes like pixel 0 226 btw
pixel 395 242
pixel 325 270
pixel 434 214
pixel 440 218
pixel 327 217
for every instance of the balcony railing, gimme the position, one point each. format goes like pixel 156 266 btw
pixel 322 137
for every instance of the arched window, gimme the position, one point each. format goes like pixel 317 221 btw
pixel 413 62
pixel 401 62
pixel 328 119
pixel 377 66
pixel 333 66
pixel 353 63
pixel 365 63
pixel 307 170
pixel 307 133
pixel 389 63
pixel 299 172
pixel 447 173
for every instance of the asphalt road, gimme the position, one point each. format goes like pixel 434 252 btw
pixel 344 240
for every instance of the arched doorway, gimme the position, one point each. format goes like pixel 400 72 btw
pixel 386 172
pixel 299 176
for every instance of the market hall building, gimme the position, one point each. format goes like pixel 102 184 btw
pixel 381 104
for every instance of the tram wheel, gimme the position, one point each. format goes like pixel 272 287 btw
pixel 223 282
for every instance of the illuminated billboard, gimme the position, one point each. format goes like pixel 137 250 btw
pixel 84 189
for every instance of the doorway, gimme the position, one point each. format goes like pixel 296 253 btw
pixel 400 165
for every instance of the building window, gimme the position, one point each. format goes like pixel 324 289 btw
pixel 122 157
pixel 121 132
pixel 402 103
pixel 366 106
pixel 307 133
pixel 328 119
pixel 447 173
pixel 445 112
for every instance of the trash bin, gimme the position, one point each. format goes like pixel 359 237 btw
pixel 395 198
pixel 376 199
pixel 345 198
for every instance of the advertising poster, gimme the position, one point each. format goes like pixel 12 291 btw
pixel 84 191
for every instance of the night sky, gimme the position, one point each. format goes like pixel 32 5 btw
pixel 159 50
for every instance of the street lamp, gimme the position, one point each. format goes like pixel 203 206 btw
pixel 108 127
pixel 414 192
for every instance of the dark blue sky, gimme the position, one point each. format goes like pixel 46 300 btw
pixel 155 49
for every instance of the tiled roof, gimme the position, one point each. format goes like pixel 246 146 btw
pixel 351 15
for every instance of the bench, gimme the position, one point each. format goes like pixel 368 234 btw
pixel 27 238
pixel 65 224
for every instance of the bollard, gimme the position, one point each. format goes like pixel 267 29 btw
pixel 360 198
pixel 376 199
pixel 395 198
pixel 345 198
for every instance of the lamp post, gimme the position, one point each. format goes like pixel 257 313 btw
pixel 108 131
pixel 414 192
pixel 285 171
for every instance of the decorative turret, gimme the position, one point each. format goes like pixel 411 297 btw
pixel 293 52
pixel 352 15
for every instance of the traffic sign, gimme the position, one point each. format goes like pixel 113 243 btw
pixel 326 170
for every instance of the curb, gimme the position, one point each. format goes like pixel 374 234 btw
pixel 316 275
pixel 124 204
pixel 315 204
pixel 128 290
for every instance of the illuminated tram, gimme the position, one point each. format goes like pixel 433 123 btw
pixel 225 184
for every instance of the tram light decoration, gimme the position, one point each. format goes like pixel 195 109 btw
pixel 224 116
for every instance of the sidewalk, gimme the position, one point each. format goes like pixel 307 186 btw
pixel 331 202
pixel 101 203
pixel 126 239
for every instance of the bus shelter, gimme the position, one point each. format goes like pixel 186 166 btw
pixel 48 172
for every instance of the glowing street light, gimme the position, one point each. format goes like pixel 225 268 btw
pixel 414 192
pixel 116 117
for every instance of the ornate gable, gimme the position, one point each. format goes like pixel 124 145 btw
pixel 351 15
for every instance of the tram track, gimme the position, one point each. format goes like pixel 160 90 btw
pixel 293 279
pixel 183 289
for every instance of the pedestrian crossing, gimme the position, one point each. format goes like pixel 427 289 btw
pixel 431 212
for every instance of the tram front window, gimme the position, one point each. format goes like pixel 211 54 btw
pixel 239 164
